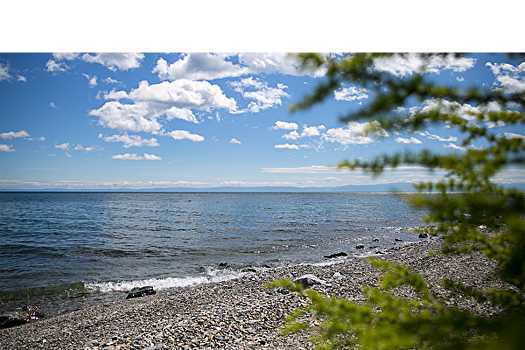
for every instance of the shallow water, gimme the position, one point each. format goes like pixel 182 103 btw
pixel 73 246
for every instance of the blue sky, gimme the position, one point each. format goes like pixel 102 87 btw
pixel 197 119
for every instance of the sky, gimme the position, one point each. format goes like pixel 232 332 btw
pixel 199 119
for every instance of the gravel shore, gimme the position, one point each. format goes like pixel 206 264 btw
pixel 239 313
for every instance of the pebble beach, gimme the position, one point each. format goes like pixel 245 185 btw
pixel 241 313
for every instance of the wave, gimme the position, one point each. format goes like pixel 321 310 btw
pixel 210 275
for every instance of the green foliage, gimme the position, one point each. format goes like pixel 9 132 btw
pixel 465 200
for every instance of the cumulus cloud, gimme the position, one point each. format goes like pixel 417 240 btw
pixel 4 72
pixel 509 77
pixel 350 94
pixel 288 146
pixel 454 146
pixel 308 131
pixel 209 66
pixel 52 66
pixel 114 61
pixel 184 134
pixel 127 117
pixel 407 65
pixel 63 146
pixel 174 99
pixel 465 111
pixel 235 141
pixel 129 141
pixel 6 148
pixel 352 134
pixel 411 140
pixel 437 137
pixel 10 135
pixel 92 80
pixel 284 126
pixel 511 135
pixel 133 156
pixel 21 79
pixel 198 66
pixel 88 149
pixel 264 96
pixel 115 95
pixel 65 56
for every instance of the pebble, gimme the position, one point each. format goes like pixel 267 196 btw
pixel 241 313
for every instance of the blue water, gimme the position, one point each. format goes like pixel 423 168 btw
pixel 78 244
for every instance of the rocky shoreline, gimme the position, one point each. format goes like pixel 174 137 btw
pixel 240 313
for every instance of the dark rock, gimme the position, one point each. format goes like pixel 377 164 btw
pixel 140 292
pixel 308 281
pixel 360 246
pixel 423 235
pixel 376 239
pixel 249 269
pixel 21 315
pixel 223 264
pixel 335 255
pixel 398 240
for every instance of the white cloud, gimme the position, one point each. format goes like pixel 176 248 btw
pixel 294 135
pixel 464 111
pixel 284 126
pixel 129 156
pixel 6 148
pixel 65 56
pixel 509 77
pixel 173 99
pixel 198 66
pixel 209 66
pixel 183 114
pixel 411 140
pixel 265 97
pixel 437 137
pixel 413 63
pixel 350 94
pixel 308 131
pixel 92 80
pixel 114 61
pixel 4 72
pixel 21 78
pixel 352 134
pixel 184 134
pixel 133 140
pixel 63 146
pixel 52 66
pixel 235 141
pixel 460 79
pixel 288 146
pixel 51 104
pixel 454 146
pixel 511 135
pixel 79 147
pixel 115 95
pixel 12 134
pixel 127 117
pixel 109 80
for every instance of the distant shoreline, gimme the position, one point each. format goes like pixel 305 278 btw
pixel 388 188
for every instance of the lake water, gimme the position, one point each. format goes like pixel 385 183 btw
pixel 70 248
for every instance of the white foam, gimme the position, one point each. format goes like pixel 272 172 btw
pixel 209 276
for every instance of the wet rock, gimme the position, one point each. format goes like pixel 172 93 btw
pixel 376 239
pixel 308 281
pixel 398 240
pixel 140 292
pixel 335 255
pixel 21 315
pixel 249 269
pixel 360 246
pixel 423 235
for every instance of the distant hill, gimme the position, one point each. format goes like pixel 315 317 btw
pixel 402 187
pixel 349 188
